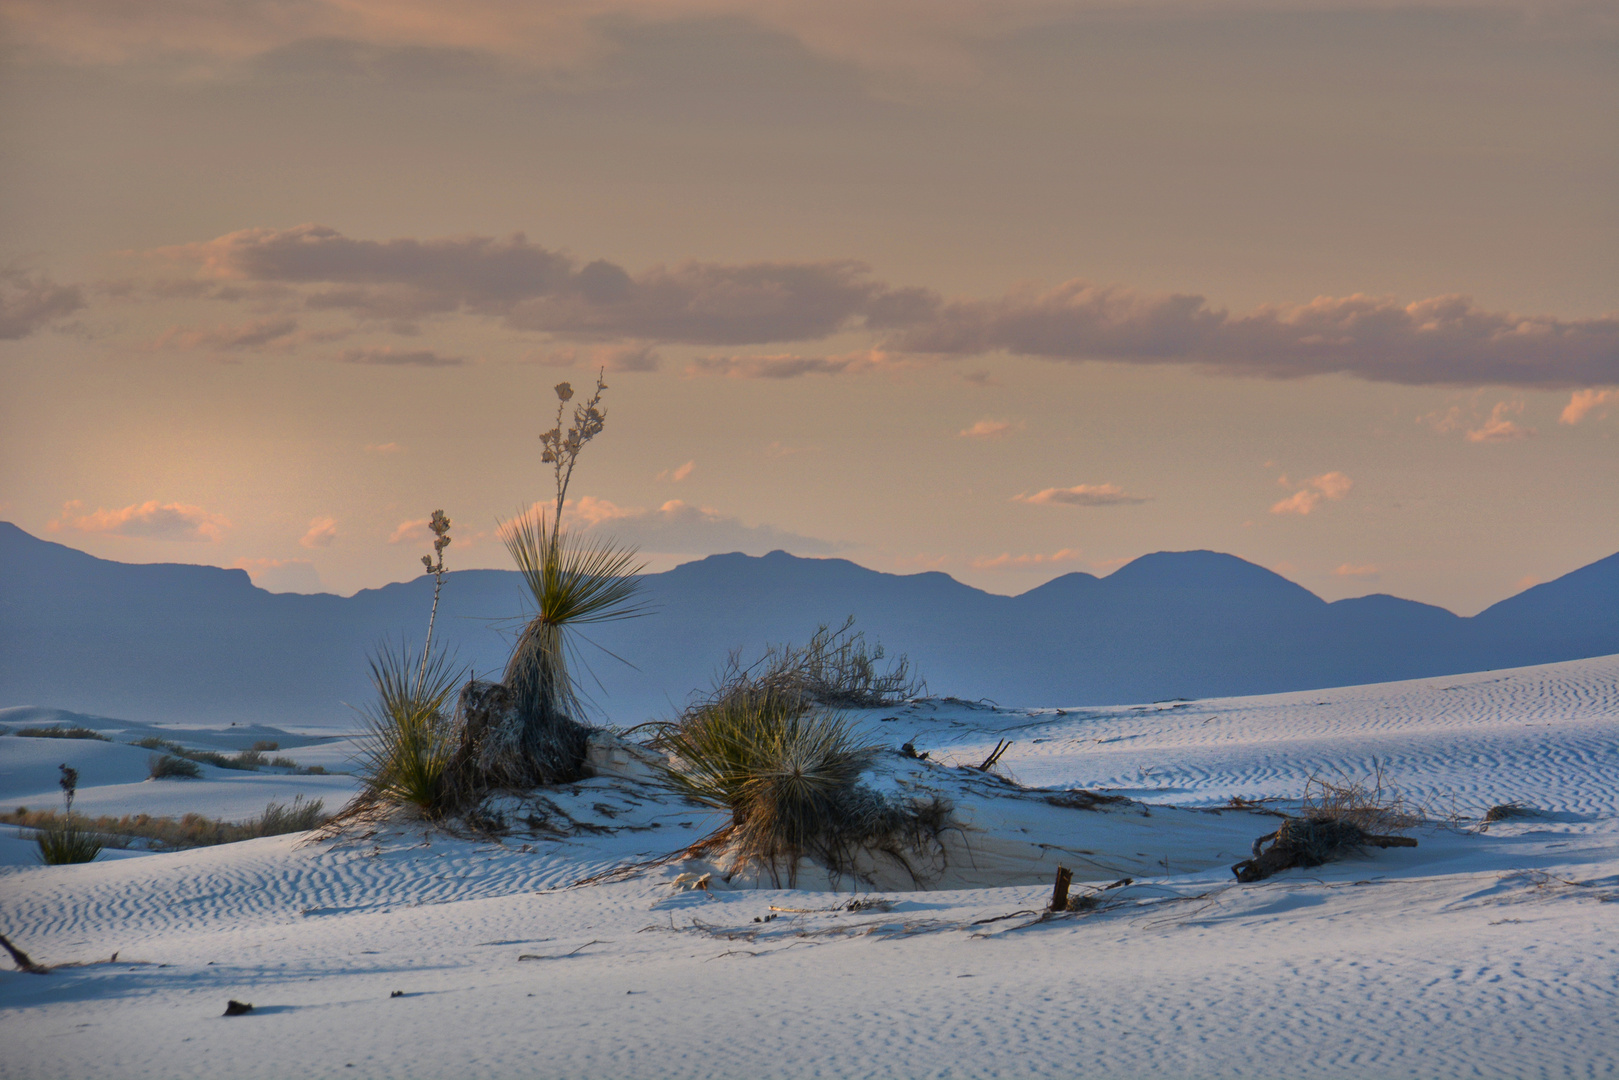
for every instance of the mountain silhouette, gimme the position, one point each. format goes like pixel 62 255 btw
pixel 202 645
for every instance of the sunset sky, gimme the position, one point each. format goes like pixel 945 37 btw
pixel 1003 289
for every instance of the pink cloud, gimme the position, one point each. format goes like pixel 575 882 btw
pixel 384 448
pixel 1008 561
pixel 1353 570
pixel 146 521
pixel 1332 485
pixel 1082 495
pixel 986 429
pixel 677 474
pixel 322 531
pixel 1498 428
pixel 408 531
pixel 1583 402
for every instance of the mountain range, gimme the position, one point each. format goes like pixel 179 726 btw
pixel 171 643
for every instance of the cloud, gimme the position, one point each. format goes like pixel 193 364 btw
pixel 384 448
pixel 986 429
pixel 678 474
pixel 677 527
pixel 29 302
pixel 1444 340
pixel 1441 341
pixel 282 575
pixel 788 365
pixel 1498 428
pixel 388 355
pixel 408 531
pixel 322 531
pixel 620 357
pixel 147 521
pixel 1352 570
pixel 1007 561
pixel 532 288
pixel 252 335
pixel 1083 495
pixel 1332 486
pixel 1583 402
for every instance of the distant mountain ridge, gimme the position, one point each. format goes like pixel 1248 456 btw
pixel 198 644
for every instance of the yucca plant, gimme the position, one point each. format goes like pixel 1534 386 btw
pixel 572 582
pixel 406 758
pixel 65 840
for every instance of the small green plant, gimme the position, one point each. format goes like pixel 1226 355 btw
pixel 407 757
pixel 61 733
pixel 66 840
pixel 170 767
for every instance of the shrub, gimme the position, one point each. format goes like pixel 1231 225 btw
pixel 833 668
pixel 790 776
pixel 407 755
pixel 1367 804
pixel 169 767
pixel 61 733
pixel 67 841
pixel 246 760
pixel 278 818
pixel 265 746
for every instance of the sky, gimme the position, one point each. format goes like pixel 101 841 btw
pixel 1006 290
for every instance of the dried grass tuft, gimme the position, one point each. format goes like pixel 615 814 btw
pixel 1369 804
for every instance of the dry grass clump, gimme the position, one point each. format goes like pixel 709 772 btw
pixel 243 760
pixel 1368 804
pixel 1335 820
pixel 61 733
pixel 789 772
pixel 169 767
pixel 833 668
pixel 174 834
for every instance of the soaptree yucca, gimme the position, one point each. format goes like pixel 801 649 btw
pixel 407 755
pixel 572 581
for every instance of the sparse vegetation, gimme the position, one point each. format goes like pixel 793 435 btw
pixel 1335 819
pixel 173 834
pixel 411 739
pixel 169 767
pixel 788 770
pixel 833 668
pixel 61 733
pixel 251 760
pixel 66 840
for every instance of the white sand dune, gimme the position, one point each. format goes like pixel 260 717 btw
pixel 1481 953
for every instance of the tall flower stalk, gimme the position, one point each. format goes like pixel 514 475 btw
pixel 572 582
pixel 441 540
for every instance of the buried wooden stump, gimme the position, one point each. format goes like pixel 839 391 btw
pixel 237 1008
pixel 24 961
pixel 1303 842
pixel 1059 891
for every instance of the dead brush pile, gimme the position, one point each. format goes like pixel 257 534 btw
pixel 764 746
pixel 1335 820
